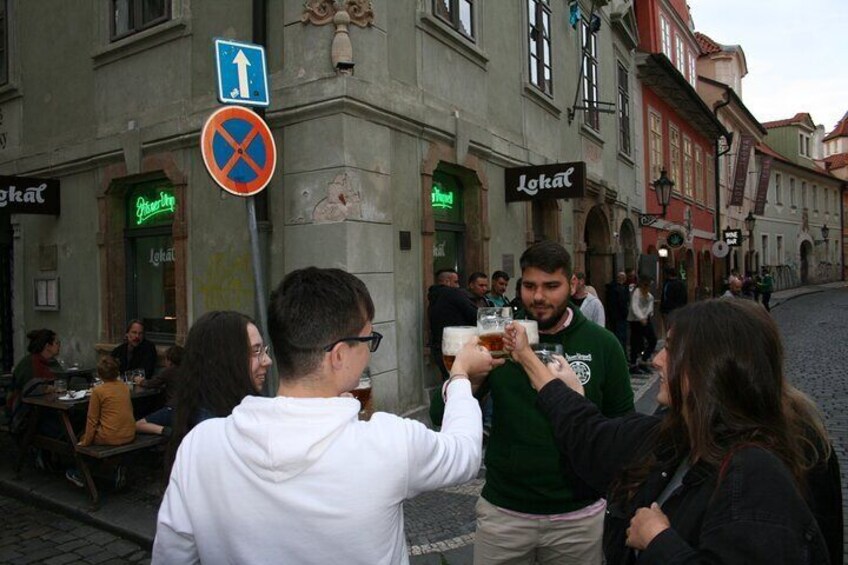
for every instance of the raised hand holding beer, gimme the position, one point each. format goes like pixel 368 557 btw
pixel 475 361
pixel 491 324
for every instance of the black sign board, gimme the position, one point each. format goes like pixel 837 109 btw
pixel 545 182
pixel 733 238
pixel 27 195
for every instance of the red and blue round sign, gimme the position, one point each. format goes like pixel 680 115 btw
pixel 238 150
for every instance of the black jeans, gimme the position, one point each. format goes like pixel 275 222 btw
pixel 639 335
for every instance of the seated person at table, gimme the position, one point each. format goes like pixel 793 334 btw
pixel 33 376
pixel 39 363
pixel 225 360
pixel 136 352
pixel 110 416
pixel 160 421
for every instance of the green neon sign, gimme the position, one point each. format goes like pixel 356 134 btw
pixel 439 199
pixel 164 203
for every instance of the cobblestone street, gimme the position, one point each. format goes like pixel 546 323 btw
pixel 31 534
pixel 815 333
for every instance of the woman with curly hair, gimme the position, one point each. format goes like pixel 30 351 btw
pixel 224 360
pixel 739 468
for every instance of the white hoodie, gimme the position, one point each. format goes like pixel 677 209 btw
pixel 302 480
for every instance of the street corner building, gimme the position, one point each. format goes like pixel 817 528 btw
pixel 410 136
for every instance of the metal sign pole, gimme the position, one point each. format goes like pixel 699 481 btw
pixel 259 288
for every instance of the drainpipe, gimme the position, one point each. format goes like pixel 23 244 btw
pixel 729 140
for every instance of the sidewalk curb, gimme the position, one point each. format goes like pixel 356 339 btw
pixel 8 488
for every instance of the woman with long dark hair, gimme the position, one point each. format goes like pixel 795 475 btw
pixel 722 476
pixel 224 360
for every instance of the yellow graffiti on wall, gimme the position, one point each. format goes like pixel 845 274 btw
pixel 227 283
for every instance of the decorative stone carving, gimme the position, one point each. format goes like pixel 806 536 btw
pixel 322 12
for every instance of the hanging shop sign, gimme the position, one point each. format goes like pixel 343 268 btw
pixel 762 186
pixel 545 182
pixel 675 239
pixel 28 195
pixel 733 238
pixel 737 195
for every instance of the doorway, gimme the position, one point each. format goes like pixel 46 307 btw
pixel 806 253
pixel 598 260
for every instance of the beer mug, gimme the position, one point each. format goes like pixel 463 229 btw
pixel 491 323
pixel 362 393
pixel 454 338
pixel 60 386
pixel 531 328
pixel 546 351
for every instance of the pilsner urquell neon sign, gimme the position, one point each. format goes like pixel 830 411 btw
pixel 146 209
pixel 439 199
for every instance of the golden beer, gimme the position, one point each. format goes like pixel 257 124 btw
pixel 494 343
pixel 454 338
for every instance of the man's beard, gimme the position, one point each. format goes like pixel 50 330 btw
pixel 548 323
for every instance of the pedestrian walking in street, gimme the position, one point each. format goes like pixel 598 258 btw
pixel 618 303
pixel 298 478
pixel 766 287
pixel 589 303
pixel 673 296
pixel 719 478
pixel 643 337
pixel 532 508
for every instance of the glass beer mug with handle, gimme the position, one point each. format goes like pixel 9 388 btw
pixel 454 338
pixel 531 327
pixel 491 324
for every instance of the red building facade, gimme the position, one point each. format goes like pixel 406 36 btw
pixel 680 136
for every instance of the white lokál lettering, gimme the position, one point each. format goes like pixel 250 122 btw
pixel 30 195
pixel 544 182
pixel 160 256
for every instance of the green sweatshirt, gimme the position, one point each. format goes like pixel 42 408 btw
pixel 523 469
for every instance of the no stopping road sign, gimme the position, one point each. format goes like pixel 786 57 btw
pixel 238 150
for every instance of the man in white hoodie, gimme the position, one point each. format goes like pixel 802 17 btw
pixel 298 478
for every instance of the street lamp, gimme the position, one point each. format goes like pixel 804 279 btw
pixel 662 186
pixel 825 231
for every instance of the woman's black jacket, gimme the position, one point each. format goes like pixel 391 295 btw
pixel 753 515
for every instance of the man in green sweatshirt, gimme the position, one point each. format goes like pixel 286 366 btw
pixel 533 509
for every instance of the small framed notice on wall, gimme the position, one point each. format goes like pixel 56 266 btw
pixel 46 291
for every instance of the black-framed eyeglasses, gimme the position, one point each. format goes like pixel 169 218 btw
pixel 372 340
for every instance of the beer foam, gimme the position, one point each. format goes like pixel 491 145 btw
pixel 532 329
pixel 455 337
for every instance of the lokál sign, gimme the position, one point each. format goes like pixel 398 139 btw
pixel 28 195
pixel 544 182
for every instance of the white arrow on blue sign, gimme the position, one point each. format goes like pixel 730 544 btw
pixel 242 75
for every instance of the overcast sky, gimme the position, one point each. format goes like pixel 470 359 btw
pixel 797 53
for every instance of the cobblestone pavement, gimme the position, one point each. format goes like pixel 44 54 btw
pixel 815 333
pixel 29 534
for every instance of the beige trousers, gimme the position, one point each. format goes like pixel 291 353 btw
pixel 505 539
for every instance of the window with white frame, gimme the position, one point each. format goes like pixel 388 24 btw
pixel 804 145
pixel 803 194
pixel 687 167
pixel 815 198
pixel 779 258
pixel 793 199
pixel 665 30
pixel 674 154
pixel 133 16
pixel 680 60
pixel 700 181
pixel 778 190
pixel 459 14
pixel 764 250
pixel 590 76
pixel 656 143
pixel 539 38
pixel 623 109
pixel 693 73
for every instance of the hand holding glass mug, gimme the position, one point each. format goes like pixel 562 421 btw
pixel 491 324
pixel 475 361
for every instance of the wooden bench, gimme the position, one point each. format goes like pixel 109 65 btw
pixel 141 441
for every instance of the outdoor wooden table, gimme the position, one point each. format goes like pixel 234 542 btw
pixel 68 445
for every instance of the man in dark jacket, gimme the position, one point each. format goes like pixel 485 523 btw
pixel 618 302
pixel 448 306
pixel 674 294
pixel 136 352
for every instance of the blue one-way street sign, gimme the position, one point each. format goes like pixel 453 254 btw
pixel 242 77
